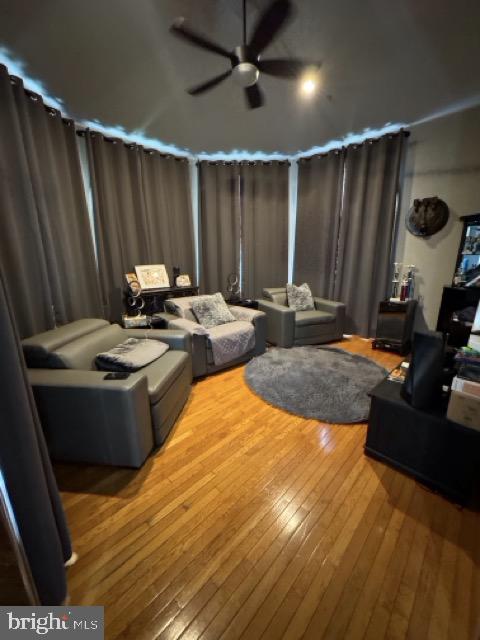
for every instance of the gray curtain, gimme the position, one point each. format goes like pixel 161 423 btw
pixel 26 469
pixel 219 224
pixel 120 216
pixel 143 213
pixel 168 205
pixel 46 248
pixel 264 226
pixel 366 229
pixel 319 199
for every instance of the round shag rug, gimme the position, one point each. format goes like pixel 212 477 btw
pixel 325 383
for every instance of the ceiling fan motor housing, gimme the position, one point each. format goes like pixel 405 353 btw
pixel 245 73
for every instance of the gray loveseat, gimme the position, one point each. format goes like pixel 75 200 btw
pixel 89 419
pixel 286 327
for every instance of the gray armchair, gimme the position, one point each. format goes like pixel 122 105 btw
pixel 286 327
pixel 219 347
pixel 87 418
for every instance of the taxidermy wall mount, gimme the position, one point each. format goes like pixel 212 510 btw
pixel 427 216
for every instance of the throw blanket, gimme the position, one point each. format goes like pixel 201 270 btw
pixel 130 355
pixel 231 340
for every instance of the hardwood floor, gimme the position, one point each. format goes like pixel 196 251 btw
pixel 253 523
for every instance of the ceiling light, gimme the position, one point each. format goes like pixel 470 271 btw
pixel 245 74
pixel 308 86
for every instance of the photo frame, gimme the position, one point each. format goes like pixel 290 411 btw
pixel 183 280
pixel 152 276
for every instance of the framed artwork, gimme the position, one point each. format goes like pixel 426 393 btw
pixel 183 280
pixel 152 276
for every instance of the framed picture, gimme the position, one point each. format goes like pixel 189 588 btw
pixel 152 276
pixel 183 280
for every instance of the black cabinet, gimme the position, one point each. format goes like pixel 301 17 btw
pixel 395 325
pixel 153 300
pixel 455 300
pixel 439 453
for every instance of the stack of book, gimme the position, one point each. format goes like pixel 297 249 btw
pixel 468 356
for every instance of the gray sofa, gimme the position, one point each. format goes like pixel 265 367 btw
pixel 286 327
pixel 87 418
pixel 180 316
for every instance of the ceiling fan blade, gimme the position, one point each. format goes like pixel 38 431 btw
pixel 209 84
pixel 254 96
pixel 284 67
pixel 179 29
pixel 269 25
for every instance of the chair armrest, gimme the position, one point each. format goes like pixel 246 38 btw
pixel 280 323
pixel 245 314
pixel 86 418
pixel 176 339
pixel 335 308
pixel 193 328
pixel 329 306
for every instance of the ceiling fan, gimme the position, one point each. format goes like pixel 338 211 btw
pixel 245 60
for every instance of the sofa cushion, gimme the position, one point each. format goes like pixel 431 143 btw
pixel 211 311
pixel 306 318
pixel 162 373
pixel 131 355
pixel 81 353
pixel 38 349
pixel 300 298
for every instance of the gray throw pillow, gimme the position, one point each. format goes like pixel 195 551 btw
pixel 300 298
pixel 131 355
pixel 210 311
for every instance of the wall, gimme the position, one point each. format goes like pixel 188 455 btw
pixel 442 159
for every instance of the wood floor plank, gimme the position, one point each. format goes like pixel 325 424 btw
pixel 251 523
pixel 247 593
pixel 351 569
pixel 384 546
pixel 382 611
pixel 272 510
pixel 179 573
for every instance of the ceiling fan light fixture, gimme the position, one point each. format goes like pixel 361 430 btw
pixel 308 86
pixel 245 74
pixel 309 82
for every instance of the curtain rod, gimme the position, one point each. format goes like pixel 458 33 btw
pixel 353 145
pixel 240 162
pixel 82 131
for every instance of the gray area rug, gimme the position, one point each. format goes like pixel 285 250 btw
pixel 325 383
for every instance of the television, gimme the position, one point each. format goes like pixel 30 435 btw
pixel 423 383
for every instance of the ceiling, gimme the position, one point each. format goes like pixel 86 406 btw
pixel 115 61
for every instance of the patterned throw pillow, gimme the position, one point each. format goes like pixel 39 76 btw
pixel 300 298
pixel 210 311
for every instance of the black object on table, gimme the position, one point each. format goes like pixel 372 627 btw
pixel 249 304
pixel 395 325
pixel 441 454
pixel 455 299
pixel 155 298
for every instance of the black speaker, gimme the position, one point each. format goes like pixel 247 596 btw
pixel 394 326
pixel 423 384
